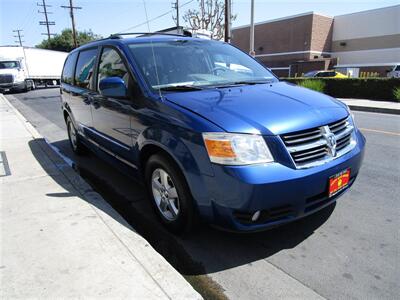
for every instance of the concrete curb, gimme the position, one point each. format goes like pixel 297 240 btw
pixel 164 275
pixel 375 109
pixel 385 107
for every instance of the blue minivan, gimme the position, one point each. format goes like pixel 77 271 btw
pixel 213 133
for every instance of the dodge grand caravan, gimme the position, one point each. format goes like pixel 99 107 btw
pixel 213 133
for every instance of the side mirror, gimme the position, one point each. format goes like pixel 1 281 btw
pixel 113 87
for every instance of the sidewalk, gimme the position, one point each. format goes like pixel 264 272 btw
pixel 373 106
pixel 59 238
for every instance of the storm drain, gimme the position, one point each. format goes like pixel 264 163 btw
pixel 4 168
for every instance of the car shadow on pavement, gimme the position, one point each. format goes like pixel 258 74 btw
pixel 207 250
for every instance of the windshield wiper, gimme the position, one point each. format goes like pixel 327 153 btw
pixel 251 82
pixel 243 82
pixel 182 88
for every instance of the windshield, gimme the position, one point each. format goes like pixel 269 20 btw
pixel 9 64
pixel 310 74
pixel 197 64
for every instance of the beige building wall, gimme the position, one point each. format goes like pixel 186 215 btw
pixel 368 38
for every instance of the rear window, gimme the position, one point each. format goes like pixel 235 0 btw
pixel 310 74
pixel 68 71
pixel 84 68
pixel 397 68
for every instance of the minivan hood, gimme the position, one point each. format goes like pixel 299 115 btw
pixel 269 109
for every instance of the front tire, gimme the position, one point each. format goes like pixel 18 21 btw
pixel 74 138
pixel 25 89
pixel 170 194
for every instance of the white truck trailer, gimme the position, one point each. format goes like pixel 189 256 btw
pixel 25 68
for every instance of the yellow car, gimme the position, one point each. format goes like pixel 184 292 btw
pixel 325 74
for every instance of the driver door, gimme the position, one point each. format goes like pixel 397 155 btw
pixel 112 116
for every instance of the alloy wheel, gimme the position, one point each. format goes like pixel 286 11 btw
pixel 165 194
pixel 72 135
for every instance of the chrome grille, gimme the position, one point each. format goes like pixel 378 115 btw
pixel 6 78
pixel 319 145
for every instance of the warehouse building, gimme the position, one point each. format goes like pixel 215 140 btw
pixel 357 43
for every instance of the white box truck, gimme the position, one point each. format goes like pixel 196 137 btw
pixel 25 68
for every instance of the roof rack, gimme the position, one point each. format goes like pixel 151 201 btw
pixel 141 34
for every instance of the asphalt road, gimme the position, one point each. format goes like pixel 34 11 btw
pixel 348 251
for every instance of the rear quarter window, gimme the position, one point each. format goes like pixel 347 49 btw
pixel 68 71
pixel 85 68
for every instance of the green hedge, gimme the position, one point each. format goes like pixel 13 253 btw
pixel 361 88
pixel 316 85
pixel 397 93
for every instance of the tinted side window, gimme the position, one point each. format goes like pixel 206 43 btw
pixel 68 71
pixel 324 74
pixel 84 68
pixel 112 65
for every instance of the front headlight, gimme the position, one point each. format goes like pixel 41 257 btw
pixel 236 149
pixel 19 77
pixel 351 115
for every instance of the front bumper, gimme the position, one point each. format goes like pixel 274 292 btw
pixel 281 193
pixel 16 86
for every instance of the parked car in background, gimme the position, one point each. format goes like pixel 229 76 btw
pixel 394 72
pixel 24 68
pixel 213 134
pixel 325 74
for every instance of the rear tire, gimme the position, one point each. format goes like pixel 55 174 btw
pixel 74 139
pixel 170 197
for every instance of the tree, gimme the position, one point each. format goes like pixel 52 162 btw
pixel 209 16
pixel 64 41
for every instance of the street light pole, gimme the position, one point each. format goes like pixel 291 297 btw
pixel 227 21
pixel 252 52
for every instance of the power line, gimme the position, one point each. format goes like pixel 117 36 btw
pixel 71 13
pixel 155 18
pixel 46 23
pixel 19 36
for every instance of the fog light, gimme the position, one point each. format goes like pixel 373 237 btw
pixel 255 216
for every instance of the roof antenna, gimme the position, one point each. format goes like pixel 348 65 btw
pixel 152 50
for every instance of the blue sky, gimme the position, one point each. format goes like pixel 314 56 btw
pixel 105 17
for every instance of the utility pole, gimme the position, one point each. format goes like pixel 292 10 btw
pixel 19 36
pixel 47 23
pixel 175 5
pixel 71 12
pixel 228 21
pixel 252 52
